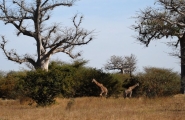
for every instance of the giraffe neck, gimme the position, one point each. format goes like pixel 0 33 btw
pixel 132 87
pixel 97 83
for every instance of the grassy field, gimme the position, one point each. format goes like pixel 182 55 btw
pixel 92 108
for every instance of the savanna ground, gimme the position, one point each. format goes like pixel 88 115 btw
pixel 94 108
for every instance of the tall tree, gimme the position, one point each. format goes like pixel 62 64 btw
pixel 29 18
pixel 166 20
pixel 125 64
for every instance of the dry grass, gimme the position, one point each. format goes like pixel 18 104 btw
pixel 91 108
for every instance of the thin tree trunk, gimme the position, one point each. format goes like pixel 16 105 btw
pixel 182 48
pixel 182 79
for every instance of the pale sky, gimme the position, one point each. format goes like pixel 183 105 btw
pixel 111 20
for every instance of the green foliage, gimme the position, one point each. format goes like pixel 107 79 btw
pixel 79 63
pixel 77 80
pixel 157 82
pixel 116 84
pixel 9 83
pixel 130 81
pixel 42 86
pixel 68 80
pixel 101 77
pixel 67 72
pixel 83 82
pixel 153 82
pixel 85 86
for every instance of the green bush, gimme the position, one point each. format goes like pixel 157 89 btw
pixel 68 83
pixel 9 83
pixel 157 82
pixel 77 80
pixel 88 88
pixel 42 86
pixel 7 87
pixel 66 80
pixel 85 87
pixel 130 81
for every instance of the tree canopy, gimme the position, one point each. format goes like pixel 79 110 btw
pixel 126 64
pixel 165 20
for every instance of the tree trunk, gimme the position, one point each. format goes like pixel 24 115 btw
pixel 182 79
pixel 42 64
pixel 121 71
pixel 182 51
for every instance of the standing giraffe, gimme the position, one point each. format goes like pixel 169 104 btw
pixel 129 90
pixel 103 88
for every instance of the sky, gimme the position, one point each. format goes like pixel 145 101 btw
pixel 112 21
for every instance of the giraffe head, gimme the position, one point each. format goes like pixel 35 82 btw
pixel 93 80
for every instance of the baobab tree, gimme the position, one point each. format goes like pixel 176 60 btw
pixel 165 20
pixel 30 19
pixel 126 64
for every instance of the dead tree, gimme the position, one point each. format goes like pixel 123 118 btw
pixel 49 39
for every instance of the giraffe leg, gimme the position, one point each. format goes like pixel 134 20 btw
pixel 125 94
pixel 101 94
pixel 130 94
pixel 105 94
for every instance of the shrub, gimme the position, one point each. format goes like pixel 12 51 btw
pixel 77 80
pixel 83 79
pixel 90 89
pixel 68 84
pixel 158 82
pixel 68 80
pixel 9 83
pixel 42 86
pixel 130 81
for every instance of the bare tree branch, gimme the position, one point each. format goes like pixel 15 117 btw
pixel 13 56
pixel 22 5
pixel 50 39
pixel 167 20
pixel 125 64
pixel 57 3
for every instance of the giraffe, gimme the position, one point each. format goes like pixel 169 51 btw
pixel 129 90
pixel 103 88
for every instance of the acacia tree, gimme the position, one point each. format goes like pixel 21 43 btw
pixel 125 64
pixel 130 62
pixel 167 20
pixel 30 19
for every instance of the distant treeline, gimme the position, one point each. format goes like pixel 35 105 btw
pixel 75 80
